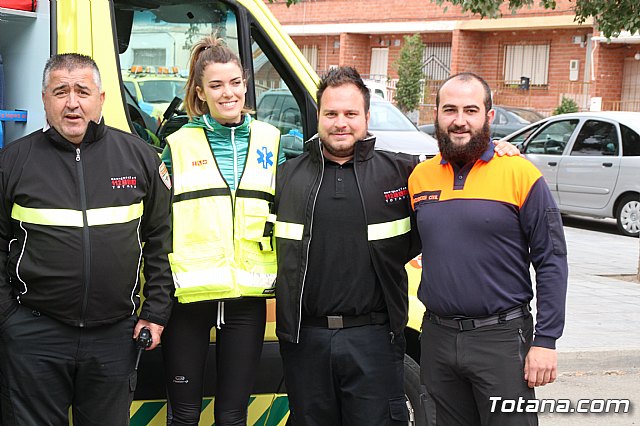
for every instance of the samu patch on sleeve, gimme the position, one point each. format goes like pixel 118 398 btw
pixel 164 175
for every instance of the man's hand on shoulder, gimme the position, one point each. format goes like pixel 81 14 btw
pixel 505 148
pixel 155 329
pixel 540 366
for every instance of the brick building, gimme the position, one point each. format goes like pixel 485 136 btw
pixel 557 56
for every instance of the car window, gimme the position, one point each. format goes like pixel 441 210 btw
pixel 630 142
pixel 521 137
pixel 526 115
pixel 155 37
pixel 514 117
pixel 161 91
pixel 266 105
pixel 384 116
pixel 500 118
pixel 279 108
pixel 131 88
pixel 596 138
pixel 552 138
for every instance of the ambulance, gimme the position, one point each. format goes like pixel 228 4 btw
pixel 153 88
pixel 122 35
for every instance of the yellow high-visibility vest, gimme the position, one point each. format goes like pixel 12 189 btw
pixel 222 242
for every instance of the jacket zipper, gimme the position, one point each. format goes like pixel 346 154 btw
pixel 235 172
pixel 235 184
pixel 392 336
pixel 306 254
pixel 85 238
pixel 235 157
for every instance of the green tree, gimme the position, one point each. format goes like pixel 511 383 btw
pixel 566 105
pixel 610 16
pixel 409 66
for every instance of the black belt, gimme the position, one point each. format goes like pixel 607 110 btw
pixel 346 321
pixel 466 324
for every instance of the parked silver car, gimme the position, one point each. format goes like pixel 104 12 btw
pixel 591 162
pixel 395 132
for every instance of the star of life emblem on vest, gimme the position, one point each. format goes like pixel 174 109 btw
pixel 265 157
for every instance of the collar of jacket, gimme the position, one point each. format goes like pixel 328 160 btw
pixel 363 150
pixel 211 124
pixel 95 132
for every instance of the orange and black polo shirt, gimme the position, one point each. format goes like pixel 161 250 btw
pixel 481 227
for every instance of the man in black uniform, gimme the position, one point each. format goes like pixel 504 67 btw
pixel 82 205
pixel 342 246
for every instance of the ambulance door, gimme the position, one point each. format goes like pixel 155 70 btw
pixel 155 38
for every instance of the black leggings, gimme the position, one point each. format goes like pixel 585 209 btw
pixel 185 343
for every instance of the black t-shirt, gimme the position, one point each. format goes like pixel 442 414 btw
pixel 340 277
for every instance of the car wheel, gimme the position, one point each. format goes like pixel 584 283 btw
pixel 415 405
pixel 628 215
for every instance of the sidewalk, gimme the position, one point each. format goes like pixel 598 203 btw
pixel 599 352
pixel 603 313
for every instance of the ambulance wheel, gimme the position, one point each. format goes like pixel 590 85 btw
pixel 417 414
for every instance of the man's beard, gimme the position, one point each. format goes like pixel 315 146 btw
pixel 463 154
pixel 346 152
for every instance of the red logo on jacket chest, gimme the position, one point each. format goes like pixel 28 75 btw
pixel 396 194
pixel 198 163
pixel 124 182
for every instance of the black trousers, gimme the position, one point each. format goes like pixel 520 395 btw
pixel 48 366
pixel 463 369
pixel 185 343
pixel 348 377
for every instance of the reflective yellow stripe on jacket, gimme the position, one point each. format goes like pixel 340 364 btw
pixel 69 217
pixel 376 231
pixel 222 241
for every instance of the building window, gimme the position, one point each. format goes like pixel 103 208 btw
pixel 379 64
pixel 436 61
pixel 311 54
pixel 530 61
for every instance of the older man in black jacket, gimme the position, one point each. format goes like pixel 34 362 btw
pixel 82 205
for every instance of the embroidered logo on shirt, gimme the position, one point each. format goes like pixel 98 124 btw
pixel 265 157
pixel 164 175
pixel 426 197
pixel 197 163
pixel 396 195
pixel 124 182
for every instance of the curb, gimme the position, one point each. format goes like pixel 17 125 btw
pixel 598 361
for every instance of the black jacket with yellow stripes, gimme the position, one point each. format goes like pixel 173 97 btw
pixel 73 224
pixel 382 180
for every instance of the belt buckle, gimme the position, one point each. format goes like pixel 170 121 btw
pixel 335 321
pixel 466 324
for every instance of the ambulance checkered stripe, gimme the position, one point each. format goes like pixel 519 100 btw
pixel 264 410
